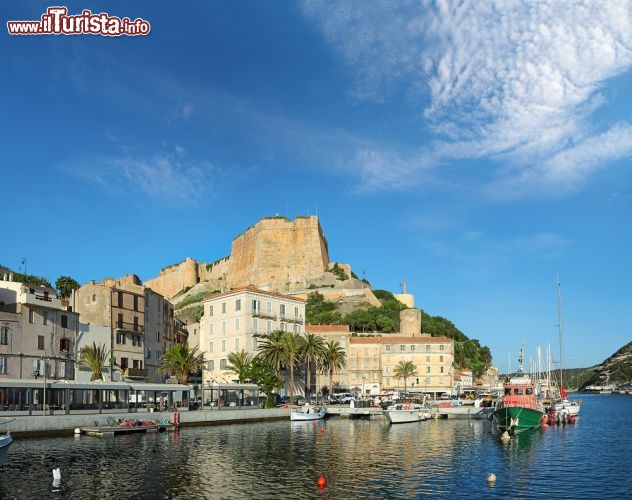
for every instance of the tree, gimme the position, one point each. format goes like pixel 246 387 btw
pixel 405 369
pixel 65 285
pixel 334 360
pixel 180 361
pixel 319 311
pixel 263 375
pixel 313 351
pixel 94 357
pixel 293 344
pixel 282 350
pixel 272 351
pixel 240 364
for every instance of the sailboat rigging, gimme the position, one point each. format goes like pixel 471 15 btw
pixel 563 403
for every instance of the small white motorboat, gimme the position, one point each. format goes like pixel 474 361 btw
pixel 401 413
pixel 308 413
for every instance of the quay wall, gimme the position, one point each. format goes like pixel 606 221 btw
pixel 55 425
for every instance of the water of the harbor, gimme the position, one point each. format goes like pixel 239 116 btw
pixel 357 459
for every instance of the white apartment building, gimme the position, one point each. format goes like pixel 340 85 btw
pixel 232 319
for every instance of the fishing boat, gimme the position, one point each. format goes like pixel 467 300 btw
pixel 405 412
pixel 519 409
pixel 308 413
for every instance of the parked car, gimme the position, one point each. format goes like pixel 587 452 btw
pixel 344 397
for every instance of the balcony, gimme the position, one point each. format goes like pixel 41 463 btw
pixel 42 298
pixel 290 318
pixel 136 373
pixel 123 326
pixel 258 313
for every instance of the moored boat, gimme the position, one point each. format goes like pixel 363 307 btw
pixel 401 413
pixel 120 427
pixel 5 439
pixel 571 406
pixel 308 413
pixel 519 409
pixel 481 408
pixel 563 405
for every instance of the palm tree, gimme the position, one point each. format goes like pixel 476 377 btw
pixel 335 359
pixel 293 343
pixel 281 350
pixel 180 361
pixel 94 357
pixel 240 364
pixel 272 351
pixel 405 369
pixel 313 351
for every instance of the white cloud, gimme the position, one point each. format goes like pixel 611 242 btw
pixel 186 110
pixel 159 178
pixel 516 83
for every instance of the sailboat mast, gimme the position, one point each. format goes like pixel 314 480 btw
pixel 559 329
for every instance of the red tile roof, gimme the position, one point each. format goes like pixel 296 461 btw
pixel 251 288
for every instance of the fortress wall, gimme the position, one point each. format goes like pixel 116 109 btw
pixel 174 278
pixel 216 273
pixel 278 254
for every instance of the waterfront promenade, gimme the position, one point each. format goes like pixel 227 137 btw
pixel 55 425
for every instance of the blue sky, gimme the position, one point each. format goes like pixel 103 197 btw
pixel 474 150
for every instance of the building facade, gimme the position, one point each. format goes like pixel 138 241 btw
pixel 332 333
pixel 141 323
pixel 371 360
pixel 372 363
pixel 232 321
pixel 162 331
pixel 38 333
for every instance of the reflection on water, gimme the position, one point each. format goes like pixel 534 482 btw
pixel 438 458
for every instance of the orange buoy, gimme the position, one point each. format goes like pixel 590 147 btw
pixel 321 482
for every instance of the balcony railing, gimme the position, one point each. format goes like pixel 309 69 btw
pixel 262 314
pixel 290 318
pixel 129 327
pixel 135 372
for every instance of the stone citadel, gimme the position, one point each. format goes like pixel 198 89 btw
pixel 276 254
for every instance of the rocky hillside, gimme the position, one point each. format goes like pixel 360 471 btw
pixel 615 370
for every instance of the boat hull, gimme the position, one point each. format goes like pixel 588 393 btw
pixel 572 407
pixel 465 412
pixel 403 416
pixel 516 419
pixel 5 440
pixel 303 416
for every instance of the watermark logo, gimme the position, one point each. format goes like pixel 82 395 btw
pixel 56 21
